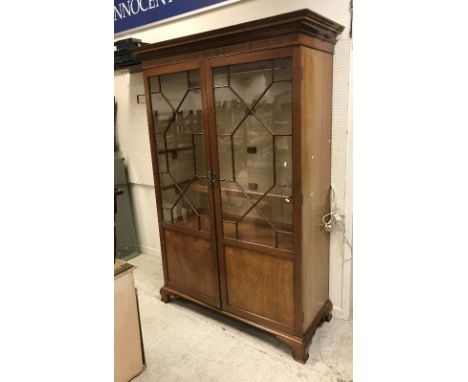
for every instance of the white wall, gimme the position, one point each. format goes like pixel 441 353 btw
pixel 341 236
pixel 133 136
pixel 133 141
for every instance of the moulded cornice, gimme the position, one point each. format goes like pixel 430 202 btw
pixel 303 21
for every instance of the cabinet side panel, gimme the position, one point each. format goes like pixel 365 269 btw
pixel 316 172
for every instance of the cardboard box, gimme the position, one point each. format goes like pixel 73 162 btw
pixel 129 358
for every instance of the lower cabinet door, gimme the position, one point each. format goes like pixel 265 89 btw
pixel 192 266
pixel 260 287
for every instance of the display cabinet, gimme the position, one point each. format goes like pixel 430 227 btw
pixel 240 132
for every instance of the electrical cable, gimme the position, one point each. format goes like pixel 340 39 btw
pixel 329 220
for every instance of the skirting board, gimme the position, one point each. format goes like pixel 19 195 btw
pixel 339 313
pixel 149 250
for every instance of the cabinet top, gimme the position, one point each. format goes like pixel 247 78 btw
pixel 302 21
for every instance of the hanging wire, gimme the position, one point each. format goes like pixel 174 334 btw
pixel 328 218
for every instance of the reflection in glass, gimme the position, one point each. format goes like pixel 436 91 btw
pixel 194 79
pixel 250 80
pixel 229 109
pixel 190 112
pixel 154 84
pixel 282 69
pixel 225 157
pixel 235 203
pixel 200 163
pixel 285 241
pixel 283 149
pixel 163 115
pixel 253 170
pixel 174 86
pixel 253 105
pixel 179 134
pixel 220 76
pixel 275 108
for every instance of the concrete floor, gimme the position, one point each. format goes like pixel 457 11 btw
pixel 188 343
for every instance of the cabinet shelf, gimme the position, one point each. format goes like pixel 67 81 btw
pixel 253 194
pixel 251 230
pixel 176 149
pixel 181 185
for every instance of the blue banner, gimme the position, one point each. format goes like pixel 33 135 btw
pixel 131 14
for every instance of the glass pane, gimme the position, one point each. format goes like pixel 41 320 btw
pixel 160 145
pixel 166 181
pixel 230 111
pixel 181 165
pixel 234 203
pixel 225 158
pixel 253 156
pixel 277 207
pixel 250 80
pixel 191 208
pixel 190 112
pixel 194 80
pixel 230 230
pixel 184 214
pixel 255 151
pixel 283 149
pixel 275 108
pixel 162 163
pixel 254 229
pixel 162 112
pixel 285 241
pixel 181 149
pixel 197 193
pixel 282 69
pixel 166 214
pixel 174 86
pixel 169 195
pixel 220 77
pixel 154 84
pixel 200 162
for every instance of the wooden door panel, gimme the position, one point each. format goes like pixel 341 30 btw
pixel 261 284
pixel 190 266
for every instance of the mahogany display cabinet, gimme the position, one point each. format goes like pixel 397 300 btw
pixel 240 132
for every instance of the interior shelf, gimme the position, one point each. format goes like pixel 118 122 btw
pixel 175 149
pixel 254 194
pixel 250 230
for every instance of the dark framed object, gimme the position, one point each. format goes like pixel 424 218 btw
pixel 240 132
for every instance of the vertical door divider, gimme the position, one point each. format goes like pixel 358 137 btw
pixel 206 83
